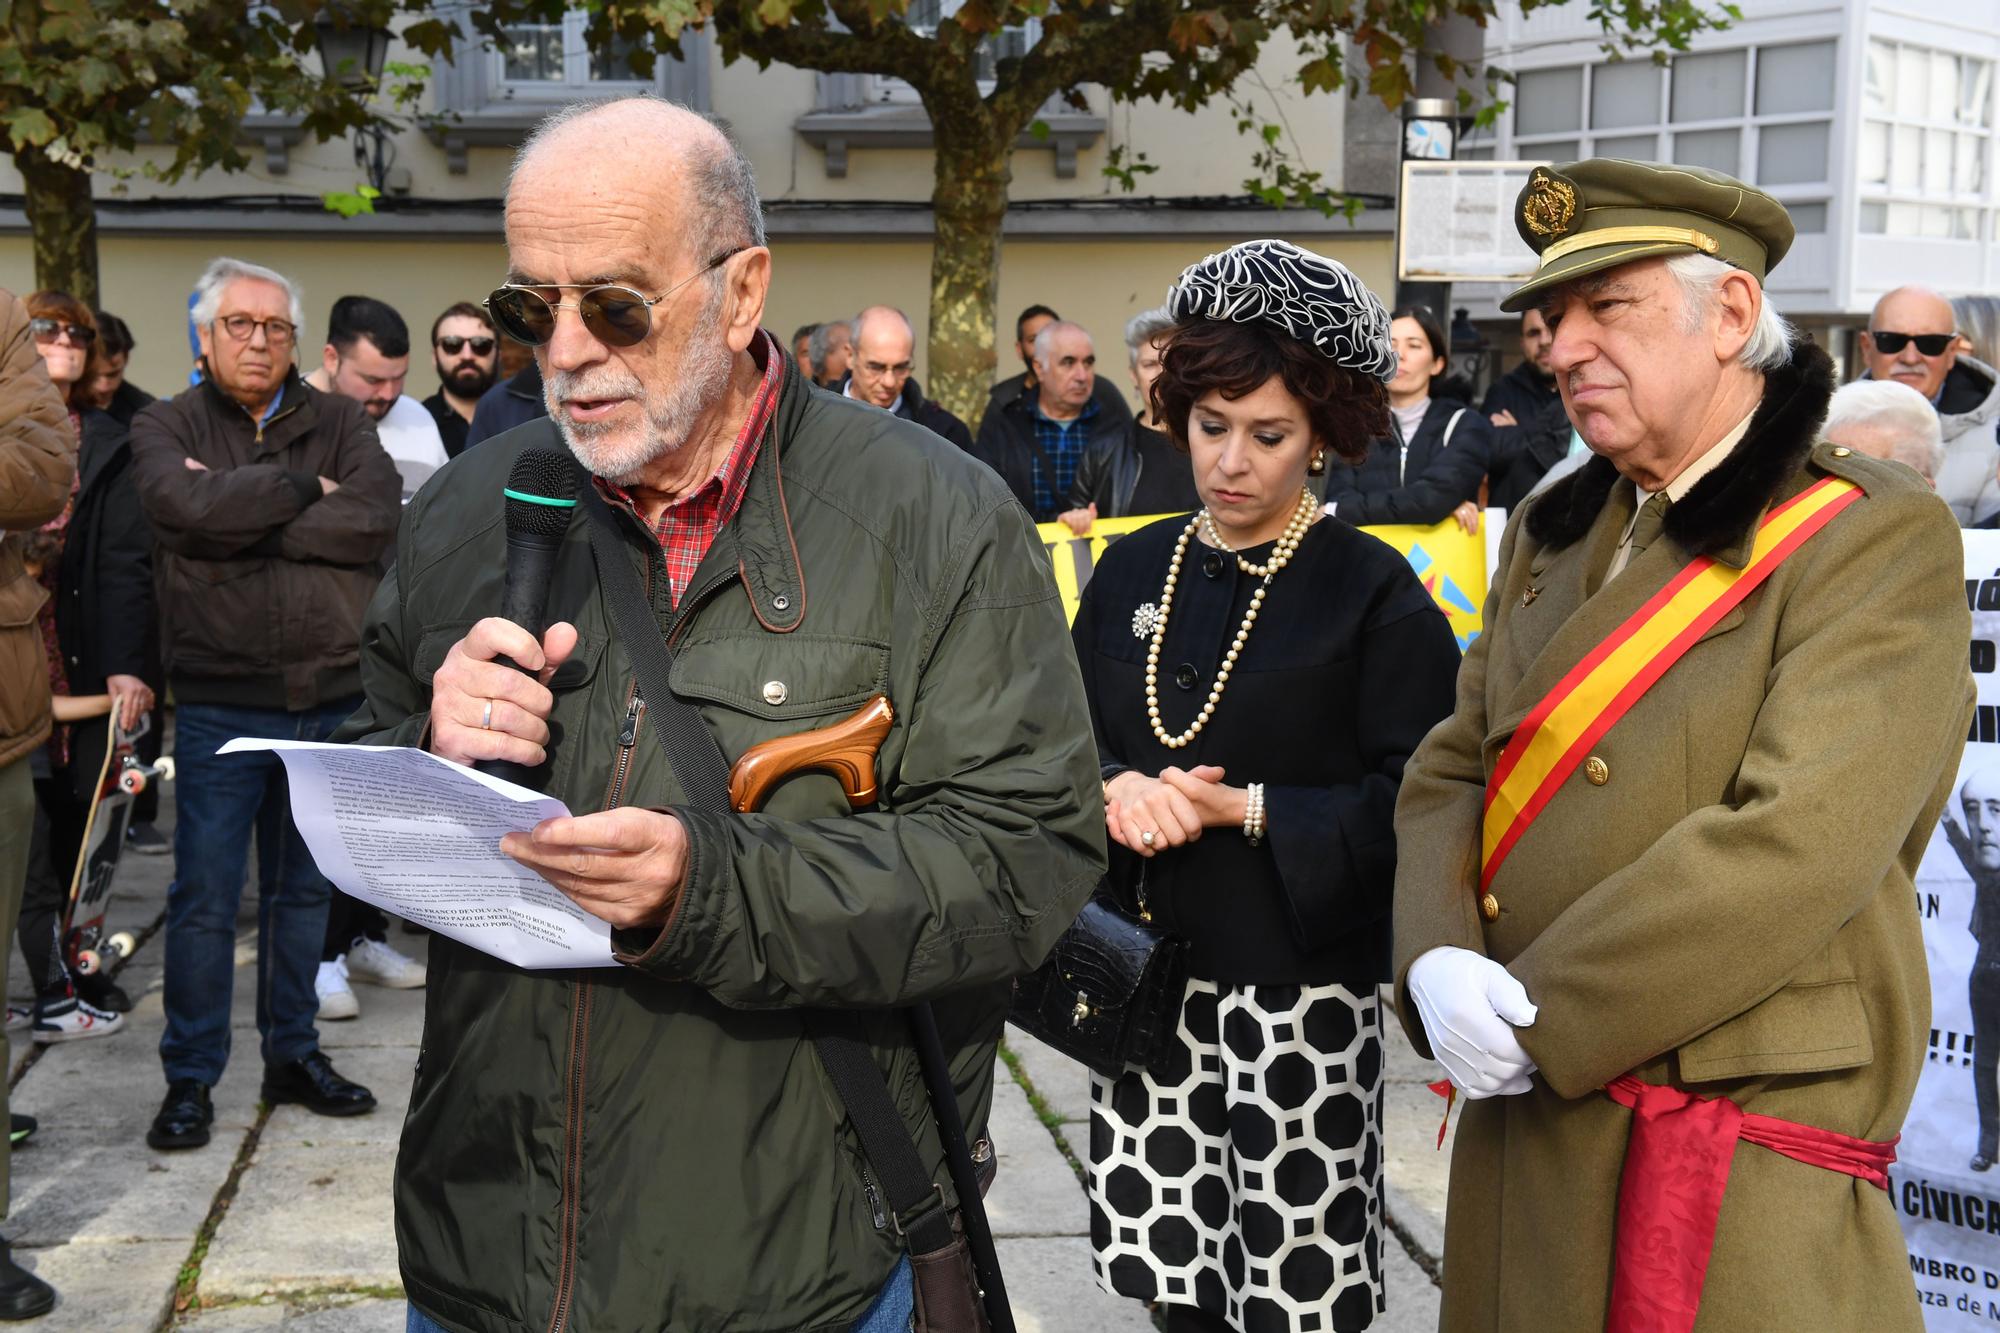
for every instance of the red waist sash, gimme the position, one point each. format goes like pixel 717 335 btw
pixel 1676 1168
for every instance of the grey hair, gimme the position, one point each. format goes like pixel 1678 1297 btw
pixel 1143 327
pixel 1917 437
pixel 727 213
pixel 1046 339
pixel 1978 319
pixel 821 341
pixel 1700 277
pixel 215 279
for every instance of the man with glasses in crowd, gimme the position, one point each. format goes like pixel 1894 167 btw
pixel 467 357
pixel 656 1144
pixel 271 505
pixel 885 347
pixel 1912 339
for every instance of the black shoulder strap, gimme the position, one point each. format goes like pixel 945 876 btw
pixel 697 763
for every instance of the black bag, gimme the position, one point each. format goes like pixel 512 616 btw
pixel 1110 995
pixel 954 1264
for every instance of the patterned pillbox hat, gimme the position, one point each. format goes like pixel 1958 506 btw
pixel 1295 292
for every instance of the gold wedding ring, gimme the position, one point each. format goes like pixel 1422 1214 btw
pixel 486 718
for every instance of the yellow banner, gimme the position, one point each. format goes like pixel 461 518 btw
pixel 1450 562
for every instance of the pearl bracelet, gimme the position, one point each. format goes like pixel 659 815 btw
pixel 1253 813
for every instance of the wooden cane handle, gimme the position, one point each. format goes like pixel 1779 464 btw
pixel 846 749
pixel 80 707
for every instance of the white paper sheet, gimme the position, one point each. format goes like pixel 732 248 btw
pixel 419 836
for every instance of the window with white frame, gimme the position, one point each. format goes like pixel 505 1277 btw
pixel 1926 130
pixel 1763 113
pixel 924 16
pixel 492 92
pixel 554 61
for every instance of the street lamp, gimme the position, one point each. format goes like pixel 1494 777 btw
pixel 354 53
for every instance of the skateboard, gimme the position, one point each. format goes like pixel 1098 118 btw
pixel 119 778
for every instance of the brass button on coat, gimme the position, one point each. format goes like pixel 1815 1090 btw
pixel 1597 771
pixel 1842 452
pixel 775 692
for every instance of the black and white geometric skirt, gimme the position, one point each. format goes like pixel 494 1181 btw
pixel 1246 1179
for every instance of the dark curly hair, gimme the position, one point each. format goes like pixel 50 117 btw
pixel 1345 408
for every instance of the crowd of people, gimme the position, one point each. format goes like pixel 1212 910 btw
pixel 233 549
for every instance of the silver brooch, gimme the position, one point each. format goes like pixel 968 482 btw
pixel 1145 620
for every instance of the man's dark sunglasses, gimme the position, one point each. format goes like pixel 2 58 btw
pixel 616 315
pixel 452 346
pixel 48 330
pixel 1930 344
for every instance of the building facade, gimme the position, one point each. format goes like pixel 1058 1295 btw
pixel 843 162
pixel 1873 120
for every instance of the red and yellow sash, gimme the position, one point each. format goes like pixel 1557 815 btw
pixel 1553 739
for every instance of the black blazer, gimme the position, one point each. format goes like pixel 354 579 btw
pixel 1424 485
pixel 1350 664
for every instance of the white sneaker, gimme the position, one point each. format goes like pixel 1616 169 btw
pixel 83 1021
pixel 335 999
pixel 18 1017
pixel 377 964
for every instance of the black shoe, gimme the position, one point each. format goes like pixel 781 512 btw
pixel 22 1294
pixel 101 992
pixel 313 1084
pixel 146 840
pixel 184 1116
pixel 1982 1160
pixel 20 1128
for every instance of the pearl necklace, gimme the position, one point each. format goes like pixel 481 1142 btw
pixel 1281 555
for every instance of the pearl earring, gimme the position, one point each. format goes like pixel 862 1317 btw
pixel 1318 464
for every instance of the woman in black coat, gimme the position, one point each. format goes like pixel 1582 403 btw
pixel 1428 465
pixel 1257 678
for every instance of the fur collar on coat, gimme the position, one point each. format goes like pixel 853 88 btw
pixel 1725 505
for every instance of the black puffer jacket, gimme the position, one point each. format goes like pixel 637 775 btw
pixel 1420 480
pixel 104 608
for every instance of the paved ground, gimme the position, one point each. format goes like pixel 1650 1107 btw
pixel 283 1221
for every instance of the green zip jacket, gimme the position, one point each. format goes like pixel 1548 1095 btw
pixel 657 1146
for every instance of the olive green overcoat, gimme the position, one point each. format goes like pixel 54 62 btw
pixel 1732 911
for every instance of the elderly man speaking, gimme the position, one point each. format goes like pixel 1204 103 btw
pixel 660 1145
pixel 1654 897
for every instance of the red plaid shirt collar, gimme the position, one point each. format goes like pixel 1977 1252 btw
pixel 687 527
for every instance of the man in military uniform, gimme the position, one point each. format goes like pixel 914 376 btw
pixel 1639 913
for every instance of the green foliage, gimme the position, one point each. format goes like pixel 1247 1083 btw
pixel 351 203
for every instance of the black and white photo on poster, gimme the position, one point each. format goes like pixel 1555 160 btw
pixel 1946 1184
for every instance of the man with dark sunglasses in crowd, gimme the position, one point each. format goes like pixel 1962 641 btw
pixel 467 356
pixel 657 1143
pixel 1912 339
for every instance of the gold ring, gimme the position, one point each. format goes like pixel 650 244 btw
pixel 486 718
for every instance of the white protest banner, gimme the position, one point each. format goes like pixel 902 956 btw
pixel 1949 1204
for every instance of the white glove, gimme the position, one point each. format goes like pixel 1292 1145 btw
pixel 1470 1006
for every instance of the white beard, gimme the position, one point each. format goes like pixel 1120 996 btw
pixel 613 450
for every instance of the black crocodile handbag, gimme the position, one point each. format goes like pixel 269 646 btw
pixel 1110 995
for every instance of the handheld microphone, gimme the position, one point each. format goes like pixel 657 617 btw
pixel 541 498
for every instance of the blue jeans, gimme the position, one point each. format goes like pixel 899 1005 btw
pixel 220 803
pixel 889 1314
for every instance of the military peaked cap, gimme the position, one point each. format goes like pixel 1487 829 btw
pixel 1584 217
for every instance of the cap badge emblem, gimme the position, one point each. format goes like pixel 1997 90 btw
pixel 1549 205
